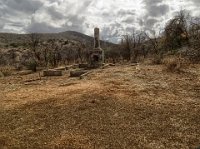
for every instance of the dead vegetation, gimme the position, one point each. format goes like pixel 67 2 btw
pixel 118 107
pixel 6 71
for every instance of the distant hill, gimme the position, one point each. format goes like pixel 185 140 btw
pixel 12 40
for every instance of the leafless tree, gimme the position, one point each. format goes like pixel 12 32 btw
pixel 132 45
pixel 176 33
pixel 34 40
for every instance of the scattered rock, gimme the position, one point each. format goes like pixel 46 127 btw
pixel 68 67
pixel 60 68
pixel 77 73
pixel 32 80
pixel 85 74
pixel 53 72
pixel 75 66
pixel 25 72
pixel 83 65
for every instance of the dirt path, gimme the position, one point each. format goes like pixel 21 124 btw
pixel 118 107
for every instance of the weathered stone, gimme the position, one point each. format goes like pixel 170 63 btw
pixel 60 68
pixel 96 38
pixel 75 66
pixel 68 67
pixel 84 75
pixel 49 73
pixel 96 57
pixel 24 72
pixel 77 73
pixel 83 65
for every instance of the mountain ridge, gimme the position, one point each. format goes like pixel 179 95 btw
pixel 7 39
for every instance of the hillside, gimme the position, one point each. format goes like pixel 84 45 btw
pixel 10 39
pixel 54 48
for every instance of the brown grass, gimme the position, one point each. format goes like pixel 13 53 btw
pixel 117 107
pixel 175 64
pixel 6 70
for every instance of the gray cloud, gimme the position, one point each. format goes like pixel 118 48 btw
pixel 54 13
pixel 150 22
pixel 196 2
pixel 156 8
pixel 1 25
pixel 114 17
pixel 27 6
pixel 123 12
pixel 157 11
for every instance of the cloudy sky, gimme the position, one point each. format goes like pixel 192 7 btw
pixel 113 17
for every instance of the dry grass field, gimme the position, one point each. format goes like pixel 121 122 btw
pixel 121 107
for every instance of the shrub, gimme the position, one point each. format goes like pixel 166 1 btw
pixel 175 64
pixel 5 71
pixel 14 45
pixel 32 65
pixel 157 59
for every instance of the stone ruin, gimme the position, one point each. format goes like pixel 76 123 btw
pixel 96 56
pixel 96 60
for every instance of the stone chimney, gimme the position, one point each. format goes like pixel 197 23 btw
pixel 96 38
pixel 96 58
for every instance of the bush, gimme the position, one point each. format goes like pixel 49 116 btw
pixel 194 55
pixel 14 45
pixel 5 71
pixel 175 64
pixel 176 34
pixel 32 65
pixel 157 60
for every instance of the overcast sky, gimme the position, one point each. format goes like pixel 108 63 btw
pixel 113 17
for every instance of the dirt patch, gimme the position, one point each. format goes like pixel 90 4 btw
pixel 118 107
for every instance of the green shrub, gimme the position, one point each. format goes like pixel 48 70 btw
pixel 32 65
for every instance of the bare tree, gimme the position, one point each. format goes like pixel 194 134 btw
pixel 34 40
pixel 176 33
pixel 154 43
pixel 132 45
pixel 126 47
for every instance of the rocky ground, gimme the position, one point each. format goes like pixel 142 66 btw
pixel 118 107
